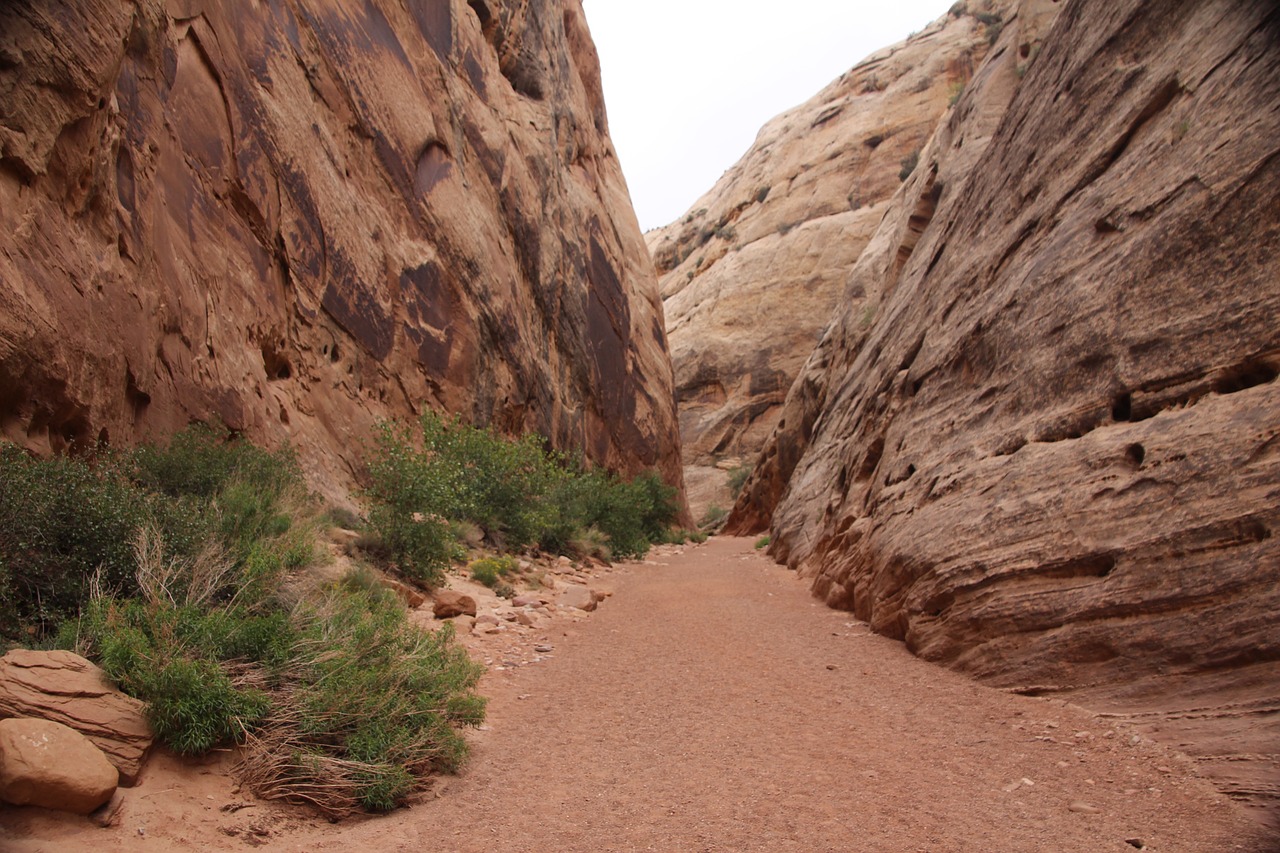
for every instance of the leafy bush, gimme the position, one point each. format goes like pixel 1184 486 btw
pixel 370 705
pixel 410 497
pixel 490 570
pixel 518 492
pixel 738 478
pixel 170 656
pixel 713 518
pixel 62 520
pixel 175 559
pixel 762 542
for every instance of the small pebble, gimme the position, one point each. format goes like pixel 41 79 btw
pixel 1081 807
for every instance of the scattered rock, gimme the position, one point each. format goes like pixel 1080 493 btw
pixel 577 596
pixel 47 764
pixel 65 688
pixel 1081 807
pixel 449 604
pixel 528 599
pixel 1136 842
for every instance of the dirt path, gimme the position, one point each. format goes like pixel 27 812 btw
pixel 712 705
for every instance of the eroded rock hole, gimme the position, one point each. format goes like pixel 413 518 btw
pixel 1122 408
pixel 276 365
pixel 483 13
pixel 1136 454
pixel 1246 376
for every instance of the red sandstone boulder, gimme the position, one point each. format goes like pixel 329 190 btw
pixel 47 764
pixel 65 688
pixel 449 603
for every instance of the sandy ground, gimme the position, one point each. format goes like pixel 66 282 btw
pixel 712 705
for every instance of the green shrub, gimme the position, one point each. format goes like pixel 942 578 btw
pixel 340 516
pixel 516 490
pixel 63 521
pixel 762 542
pixel 738 478
pixel 490 570
pixel 679 536
pixel 175 558
pixel 909 164
pixel 411 497
pixel 370 690
pixel 172 658
pixel 713 517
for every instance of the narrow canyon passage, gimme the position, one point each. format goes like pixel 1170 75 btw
pixel 712 705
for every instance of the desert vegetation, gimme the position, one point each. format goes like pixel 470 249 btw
pixel 183 570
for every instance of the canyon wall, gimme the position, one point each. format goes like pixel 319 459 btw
pixel 302 216
pixel 1044 449
pixel 752 273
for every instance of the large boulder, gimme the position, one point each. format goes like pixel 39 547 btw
pixel 47 764
pixel 449 603
pixel 65 688
pixel 576 595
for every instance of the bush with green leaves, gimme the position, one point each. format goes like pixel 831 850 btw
pixel 62 521
pixel 738 478
pixel 518 492
pixel 370 703
pixel 175 559
pixel 491 570
pixel 713 518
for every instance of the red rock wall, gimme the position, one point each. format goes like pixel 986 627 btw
pixel 301 216
pixel 1052 458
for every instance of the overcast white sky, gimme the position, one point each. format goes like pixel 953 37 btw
pixel 688 83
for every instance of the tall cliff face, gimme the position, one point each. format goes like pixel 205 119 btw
pixel 751 275
pixel 305 215
pixel 1049 455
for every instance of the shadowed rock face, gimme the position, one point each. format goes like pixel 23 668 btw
pixel 751 275
pixel 1050 456
pixel 302 217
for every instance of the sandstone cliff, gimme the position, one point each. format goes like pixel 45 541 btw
pixel 752 274
pixel 1047 453
pixel 305 215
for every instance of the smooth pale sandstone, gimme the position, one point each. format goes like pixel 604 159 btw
pixel 752 274
pixel 300 218
pixel 47 764
pixel 1050 457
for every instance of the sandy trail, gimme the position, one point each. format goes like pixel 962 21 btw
pixel 712 705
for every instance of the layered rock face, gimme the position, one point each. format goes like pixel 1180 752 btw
pixel 751 275
pixel 1049 453
pixel 302 216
